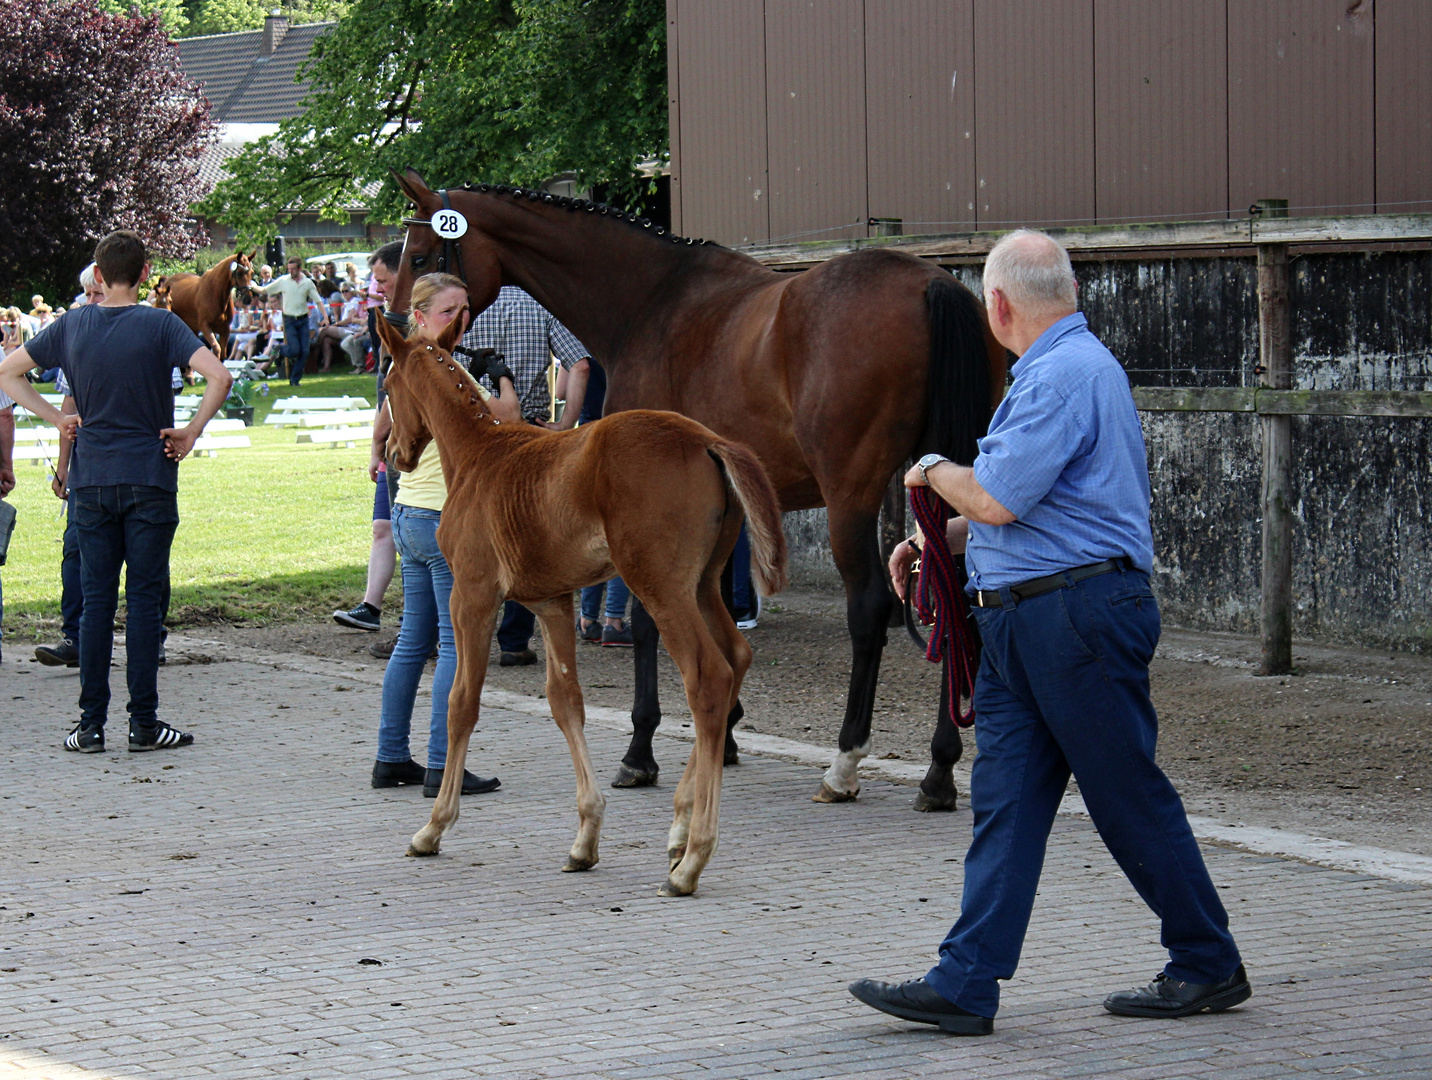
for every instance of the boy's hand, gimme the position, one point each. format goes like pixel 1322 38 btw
pixel 178 442
pixel 59 481
pixel 69 424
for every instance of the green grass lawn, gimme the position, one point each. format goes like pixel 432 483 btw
pixel 273 533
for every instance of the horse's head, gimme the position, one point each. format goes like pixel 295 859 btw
pixel 159 296
pixel 241 269
pixel 423 248
pixel 407 385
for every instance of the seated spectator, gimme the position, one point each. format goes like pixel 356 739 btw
pixel 265 274
pixel 350 320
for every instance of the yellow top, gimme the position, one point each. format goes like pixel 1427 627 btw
pixel 425 487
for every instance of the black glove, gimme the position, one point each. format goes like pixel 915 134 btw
pixel 488 362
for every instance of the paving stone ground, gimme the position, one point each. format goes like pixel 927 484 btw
pixel 204 912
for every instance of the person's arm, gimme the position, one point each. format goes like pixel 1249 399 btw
pixel 956 484
pixel 7 450
pixel 382 425
pixel 60 482
pixel 23 393
pixel 318 302
pixel 576 392
pixel 217 380
pixel 902 559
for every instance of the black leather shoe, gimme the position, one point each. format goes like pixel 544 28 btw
pixel 521 658
pixel 915 1000
pixel 393 773
pixel 471 783
pixel 1172 998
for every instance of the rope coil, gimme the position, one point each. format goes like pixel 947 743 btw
pixel 940 603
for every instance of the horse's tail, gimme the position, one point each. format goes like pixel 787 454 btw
pixel 959 397
pixel 753 490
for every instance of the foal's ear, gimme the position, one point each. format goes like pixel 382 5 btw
pixel 450 334
pixel 392 337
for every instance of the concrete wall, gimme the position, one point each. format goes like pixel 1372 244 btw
pixel 1362 562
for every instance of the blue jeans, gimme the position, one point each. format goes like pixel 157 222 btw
pixel 427 585
pixel 515 632
pixel 295 344
pixel 72 597
pixel 1064 687
pixel 617 593
pixel 743 597
pixel 130 526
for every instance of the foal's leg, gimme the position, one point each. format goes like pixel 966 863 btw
pixel 867 610
pixel 472 619
pixel 639 768
pixel 564 694
pixel 737 651
pixel 709 683
pixel 937 790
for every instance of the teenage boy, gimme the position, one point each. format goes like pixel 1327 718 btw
pixel 117 357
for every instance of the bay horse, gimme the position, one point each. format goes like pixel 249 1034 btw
pixel 206 304
pixel 534 515
pixel 835 377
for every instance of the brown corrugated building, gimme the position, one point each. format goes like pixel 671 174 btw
pixel 796 120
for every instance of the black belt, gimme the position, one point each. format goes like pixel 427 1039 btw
pixel 1037 586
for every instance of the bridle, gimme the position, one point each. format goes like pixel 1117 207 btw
pixel 451 256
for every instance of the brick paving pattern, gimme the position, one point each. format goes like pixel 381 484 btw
pixel 205 912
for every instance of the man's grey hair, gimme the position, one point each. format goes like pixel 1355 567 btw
pixel 87 278
pixel 1032 269
pixel 390 255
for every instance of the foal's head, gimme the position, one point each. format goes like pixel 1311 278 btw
pixel 410 384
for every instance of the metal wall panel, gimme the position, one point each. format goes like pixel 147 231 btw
pixel 1160 105
pixel 1034 112
pixel 1300 110
pixel 815 95
pixel 1404 106
pixel 722 152
pixel 920 112
pixel 673 107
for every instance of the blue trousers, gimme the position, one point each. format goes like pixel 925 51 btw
pixel 295 344
pixel 427 586
pixel 133 527
pixel 72 599
pixel 743 597
pixel 515 632
pixel 1064 687
pixel 617 594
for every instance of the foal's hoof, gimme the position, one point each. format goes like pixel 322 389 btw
pixel 629 777
pixel 415 853
pixel 575 865
pixel 733 755
pixel 828 794
pixel 673 889
pixel 933 804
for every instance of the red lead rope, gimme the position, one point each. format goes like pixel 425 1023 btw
pixel 940 600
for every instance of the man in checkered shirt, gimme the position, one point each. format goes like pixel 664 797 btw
pixel 528 337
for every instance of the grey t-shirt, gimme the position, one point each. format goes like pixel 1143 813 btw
pixel 117 361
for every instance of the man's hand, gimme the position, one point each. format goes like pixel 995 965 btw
pixel 902 560
pixel 179 441
pixel 59 482
pixel 69 426
pixel 7 480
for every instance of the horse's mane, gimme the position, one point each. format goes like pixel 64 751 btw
pixel 642 224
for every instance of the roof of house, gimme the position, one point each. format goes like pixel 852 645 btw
pixel 243 85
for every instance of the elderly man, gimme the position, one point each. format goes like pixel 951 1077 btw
pixel 1059 554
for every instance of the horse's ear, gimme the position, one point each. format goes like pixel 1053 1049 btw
pixel 392 337
pixel 411 184
pixel 254 254
pixel 450 334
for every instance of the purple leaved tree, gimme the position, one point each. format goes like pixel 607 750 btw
pixel 99 130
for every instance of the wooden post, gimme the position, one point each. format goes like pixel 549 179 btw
pixel 1275 350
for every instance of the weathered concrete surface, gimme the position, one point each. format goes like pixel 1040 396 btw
pixel 204 912
pixel 1362 540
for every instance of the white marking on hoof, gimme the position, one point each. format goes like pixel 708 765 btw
pixel 842 775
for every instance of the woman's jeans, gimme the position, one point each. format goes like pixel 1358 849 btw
pixel 427 584
pixel 617 593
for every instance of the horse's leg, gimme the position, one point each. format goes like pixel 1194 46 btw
pixel 472 620
pixel 639 768
pixel 709 682
pixel 737 651
pixel 564 695
pixel 732 753
pixel 937 790
pixel 856 549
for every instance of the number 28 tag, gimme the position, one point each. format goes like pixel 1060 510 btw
pixel 449 224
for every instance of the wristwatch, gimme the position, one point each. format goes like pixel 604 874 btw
pixel 928 462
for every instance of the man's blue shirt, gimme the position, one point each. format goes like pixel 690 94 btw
pixel 1065 455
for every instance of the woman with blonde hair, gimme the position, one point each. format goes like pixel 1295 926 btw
pixel 437 300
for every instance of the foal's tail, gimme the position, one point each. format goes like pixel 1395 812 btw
pixel 753 490
pixel 959 397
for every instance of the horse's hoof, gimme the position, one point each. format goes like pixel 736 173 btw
pixel 733 756
pixel 828 794
pixel 672 889
pixel 629 777
pixel 934 804
pixel 415 853
pixel 574 865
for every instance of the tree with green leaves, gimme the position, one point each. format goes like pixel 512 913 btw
pixel 233 16
pixel 510 91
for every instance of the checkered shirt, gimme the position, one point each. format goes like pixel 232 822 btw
pixel 5 401
pixel 525 332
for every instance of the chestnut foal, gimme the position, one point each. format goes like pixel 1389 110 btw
pixel 533 515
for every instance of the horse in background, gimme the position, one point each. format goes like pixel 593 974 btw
pixel 835 377
pixel 206 304
pixel 535 515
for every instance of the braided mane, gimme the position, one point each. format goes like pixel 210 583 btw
pixel 587 206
